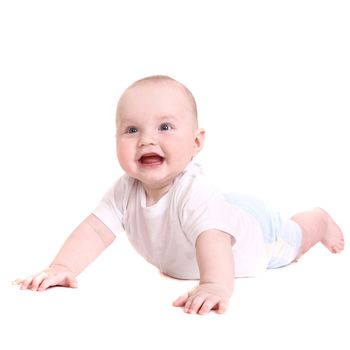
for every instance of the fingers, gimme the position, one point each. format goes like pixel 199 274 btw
pixel 38 280
pixel 222 306
pixel 46 283
pixel 193 305
pixel 73 284
pixel 181 301
pixel 24 283
pixel 51 281
pixel 48 278
pixel 32 282
pixel 201 304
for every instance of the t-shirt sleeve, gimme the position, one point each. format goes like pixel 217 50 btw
pixel 111 208
pixel 204 208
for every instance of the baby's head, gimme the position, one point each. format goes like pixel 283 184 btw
pixel 157 130
pixel 161 82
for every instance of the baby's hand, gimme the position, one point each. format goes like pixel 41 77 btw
pixel 205 297
pixel 55 275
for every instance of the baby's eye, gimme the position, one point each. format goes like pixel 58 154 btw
pixel 131 130
pixel 165 127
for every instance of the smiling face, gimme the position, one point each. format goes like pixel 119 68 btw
pixel 157 134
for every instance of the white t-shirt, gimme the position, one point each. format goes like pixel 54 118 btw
pixel 165 233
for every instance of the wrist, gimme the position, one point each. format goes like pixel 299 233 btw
pixel 226 288
pixel 57 265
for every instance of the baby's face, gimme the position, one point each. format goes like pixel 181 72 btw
pixel 157 133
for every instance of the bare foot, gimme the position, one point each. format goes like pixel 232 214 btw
pixel 333 239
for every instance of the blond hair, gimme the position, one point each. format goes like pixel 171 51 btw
pixel 166 78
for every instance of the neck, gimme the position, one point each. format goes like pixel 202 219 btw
pixel 154 195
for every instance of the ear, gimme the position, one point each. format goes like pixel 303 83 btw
pixel 199 141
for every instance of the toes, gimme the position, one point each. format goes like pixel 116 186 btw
pixel 337 248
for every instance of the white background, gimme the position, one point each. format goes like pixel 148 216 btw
pixel 271 80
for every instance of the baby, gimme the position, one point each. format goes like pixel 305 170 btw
pixel 173 217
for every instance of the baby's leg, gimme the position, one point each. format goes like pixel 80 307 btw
pixel 318 226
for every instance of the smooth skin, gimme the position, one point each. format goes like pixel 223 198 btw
pixel 216 275
pixel 84 244
pixel 157 136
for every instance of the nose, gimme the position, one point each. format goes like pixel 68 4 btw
pixel 147 139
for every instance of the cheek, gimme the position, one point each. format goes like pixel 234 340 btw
pixel 184 150
pixel 123 152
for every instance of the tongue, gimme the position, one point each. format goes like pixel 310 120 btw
pixel 151 159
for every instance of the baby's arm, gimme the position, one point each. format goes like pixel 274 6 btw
pixel 216 266
pixel 84 244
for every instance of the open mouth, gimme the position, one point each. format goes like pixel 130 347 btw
pixel 151 159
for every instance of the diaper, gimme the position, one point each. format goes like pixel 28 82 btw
pixel 282 236
pixel 285 248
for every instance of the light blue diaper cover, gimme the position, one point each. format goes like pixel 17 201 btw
pixel 282 236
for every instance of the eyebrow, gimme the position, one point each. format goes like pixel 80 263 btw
pixel 132 121
pixel 168 117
